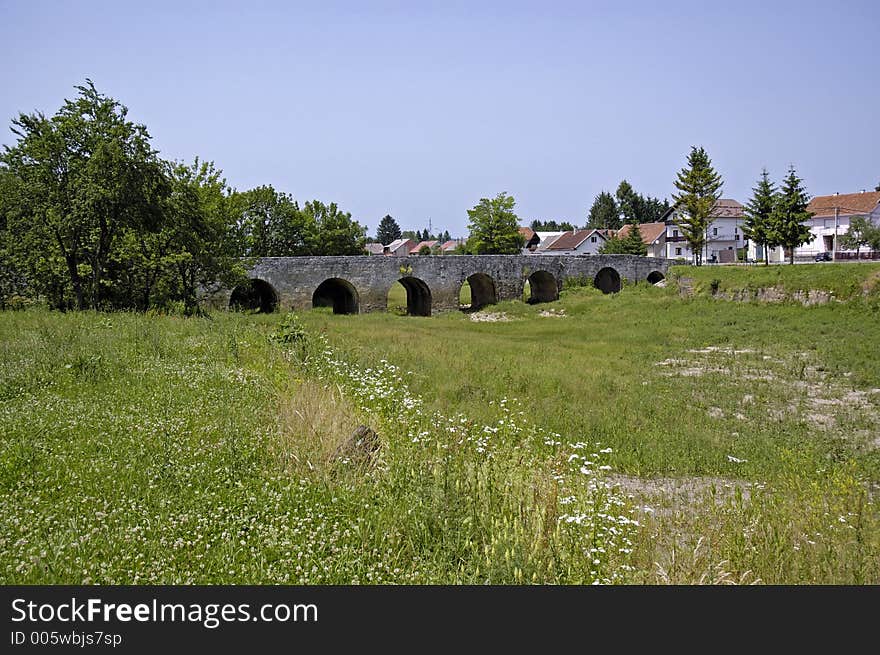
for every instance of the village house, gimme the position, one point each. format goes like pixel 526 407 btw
pixel 399 247
pixel 416 249
pixel 545 239
pixel 653 236
pixel 724 237
pixel 450 246
pixel 831 220
pixel 531 239
pixel 574 242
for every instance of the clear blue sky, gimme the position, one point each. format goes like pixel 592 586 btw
pixel 419 110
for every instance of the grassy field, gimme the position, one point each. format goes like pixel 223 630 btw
pixel 639 437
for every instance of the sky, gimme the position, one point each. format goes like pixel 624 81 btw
pixel 418 110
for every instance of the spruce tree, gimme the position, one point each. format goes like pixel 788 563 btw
pixel 700 187
pixel 388 230
pixel 604 214
pixel 758 212
pixel 628 202
pixel 789 213
pixel 632 243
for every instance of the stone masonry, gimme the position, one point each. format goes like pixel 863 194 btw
pixel 360 284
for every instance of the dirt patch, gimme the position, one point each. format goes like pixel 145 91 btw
pixel 666 495
pixel 804 390
pixel 490 317
pixel 552 313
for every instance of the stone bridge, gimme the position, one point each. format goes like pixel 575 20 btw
pixel 353 285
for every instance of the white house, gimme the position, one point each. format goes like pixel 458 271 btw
pixel 724 235
pixel 831 216
pixel 546 239
pixel 574 242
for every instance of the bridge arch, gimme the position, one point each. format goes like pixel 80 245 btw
pixel 256 296
pixel 483 291
pixel 337 293
pixel 543 287
pixel 655 276
pixel 418 296
pixel 607 280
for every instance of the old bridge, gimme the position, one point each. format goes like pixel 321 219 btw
pixel 353 285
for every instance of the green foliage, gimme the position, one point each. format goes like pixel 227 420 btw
pixel 272 225
pixel 425 250
pixel 494 227
pixel 630 244
pixel 604 214
pixel 758 212
pixel 387 231
pixel 861 232
pixel 83 177
pixel 789 213
pixel 551 226
pixel 290 331
pixel 337 233
pixel 699 186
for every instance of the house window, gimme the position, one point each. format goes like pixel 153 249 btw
pixel 736 237
pixel 714 231
pixel 592 239
pixel 678 251
pixel 674 233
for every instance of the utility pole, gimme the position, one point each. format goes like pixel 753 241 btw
pixel 836 222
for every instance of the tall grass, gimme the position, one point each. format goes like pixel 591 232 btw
pixel 142 449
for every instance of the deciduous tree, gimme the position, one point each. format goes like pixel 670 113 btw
pixel 494 227
pixel 85 176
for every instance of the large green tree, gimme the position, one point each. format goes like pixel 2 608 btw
pixel 652 209
pixel 85 176
pixel 272 225
pixel 628 203
pixel 861 232
pixel 388 230
pixel 789 213
pixel 758 214
pixel 699 188
pixel 604 214
pixel 337 233
pixel 494 227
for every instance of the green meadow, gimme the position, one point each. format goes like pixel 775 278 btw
pixel 640 437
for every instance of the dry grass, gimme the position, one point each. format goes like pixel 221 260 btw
pixel 313 422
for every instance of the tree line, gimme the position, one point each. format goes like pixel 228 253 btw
pixel 92 217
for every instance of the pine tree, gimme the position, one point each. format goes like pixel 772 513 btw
pixel 700 187
pixel 388 230
pixel 632 243
pixel 604 214
pixel 789 213
pixel 759 212
pixel 628 202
